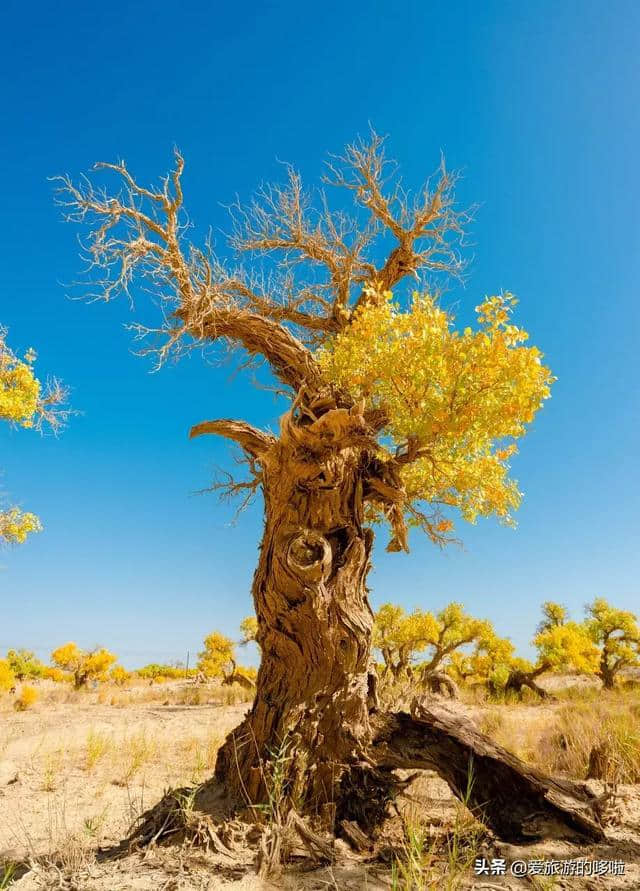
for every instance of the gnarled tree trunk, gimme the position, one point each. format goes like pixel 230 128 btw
pixel 314 730
pixel 313 687
pixel 519 679
pixel 440 683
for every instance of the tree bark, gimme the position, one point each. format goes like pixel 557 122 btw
pixel 311 711
pixel 607 673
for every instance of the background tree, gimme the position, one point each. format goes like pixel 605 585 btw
pixel 24 664
pixel 249 630
pixel 7 677
pixel 562 646
pixel 616 634
pixel 400 637
pixel 553 614
pixel 119 675
pixel 218 660
pixel 454 629
pixel 84 665
pixel 394 417
pixel 489 663
pixel 25 402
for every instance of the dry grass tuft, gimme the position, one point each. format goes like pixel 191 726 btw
pixel 98 744
pixel 603 735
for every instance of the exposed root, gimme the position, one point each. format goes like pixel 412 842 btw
pixel 177 818
pixel 366 794
pixel 318 846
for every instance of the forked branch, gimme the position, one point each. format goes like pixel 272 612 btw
pixel 139 233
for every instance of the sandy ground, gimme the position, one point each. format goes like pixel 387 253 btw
pixel 73 777
pixel 92 769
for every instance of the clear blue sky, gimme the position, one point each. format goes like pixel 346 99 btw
pixel 536 102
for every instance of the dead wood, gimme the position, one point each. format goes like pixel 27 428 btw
pixel 513 799
pixel 355 836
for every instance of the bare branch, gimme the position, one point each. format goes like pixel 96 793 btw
pixel 281 220
pixel 428 229
pixel 322 259
pixel 139 233
pixel 252 440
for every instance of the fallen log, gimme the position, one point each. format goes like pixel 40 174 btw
pixel 513 799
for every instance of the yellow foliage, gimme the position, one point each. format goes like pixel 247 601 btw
pixel 400 636
pixel 119 675
pixel 490 661
pixel 28 697
pixel 552 614
pixel 167 672
pixel 566 647
pixel 16 525
pixel 85 665
pixel 7 677
pixel 461 398
pixel 19 387
pixel 616 634
pixel 56 674
pixel 217 657
pixel 24 664
pixel 249 629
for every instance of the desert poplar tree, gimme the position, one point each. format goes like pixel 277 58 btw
pixel 395 418
pixel 616 633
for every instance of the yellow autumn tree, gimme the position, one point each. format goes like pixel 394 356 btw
pixel 24 402
pixel 217 659
pixel 394 415
pixel 616 634
pixel 248 629
pixel 562 645
pixel 488 664
pixel 24 664
pixel 119 675
pixel 553 614
pixel 400 637
pixel 84 665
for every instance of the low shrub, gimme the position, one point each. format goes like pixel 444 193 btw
pixel 27 697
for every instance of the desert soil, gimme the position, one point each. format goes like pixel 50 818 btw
pixel 73 778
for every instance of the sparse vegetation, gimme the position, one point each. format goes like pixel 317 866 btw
pixel 98 744
pixel 27 697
